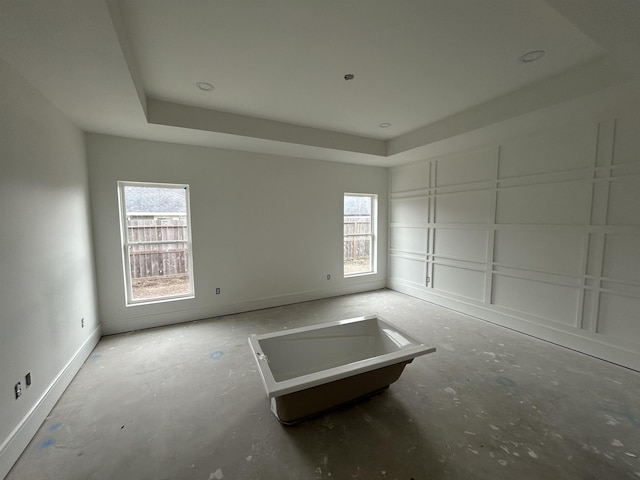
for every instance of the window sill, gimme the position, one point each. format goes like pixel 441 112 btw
pixel 363 274
pixel 153 301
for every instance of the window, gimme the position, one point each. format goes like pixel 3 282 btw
pixel 359 252
pixel 155 227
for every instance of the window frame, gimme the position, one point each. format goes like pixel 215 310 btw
pixel 125 244
pixel 373 235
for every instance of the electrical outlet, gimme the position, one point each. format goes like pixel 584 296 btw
pixel 82 322
pixel 27 379
pixel 18 389
pixel 328 276
pixel 217 291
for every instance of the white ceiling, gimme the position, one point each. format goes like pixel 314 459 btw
pixel 427 67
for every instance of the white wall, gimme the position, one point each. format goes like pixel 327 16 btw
pixel 46 260
pixel 266 230
pixel 538 231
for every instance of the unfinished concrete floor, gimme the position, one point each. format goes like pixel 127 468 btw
pixel 186 402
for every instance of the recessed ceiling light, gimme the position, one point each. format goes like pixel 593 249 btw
pixel 384 125
pixel 204 86
pixel 532 56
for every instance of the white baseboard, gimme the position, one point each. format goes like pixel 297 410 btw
pixel 13 446
pixel 188 315
pixel 575 339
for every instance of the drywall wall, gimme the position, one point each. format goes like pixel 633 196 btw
pixel 267 230
pixel 46 260
pixel 538 231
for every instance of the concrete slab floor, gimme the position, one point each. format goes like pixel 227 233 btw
pixel 186 402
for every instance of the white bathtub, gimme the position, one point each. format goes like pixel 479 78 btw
pixel 307 370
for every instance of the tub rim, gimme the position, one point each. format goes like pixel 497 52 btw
pixel 276 389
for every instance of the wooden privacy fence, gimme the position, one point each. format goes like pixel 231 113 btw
pixel 357 238
pixel 168 252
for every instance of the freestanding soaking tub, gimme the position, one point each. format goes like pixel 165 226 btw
pixel 310 369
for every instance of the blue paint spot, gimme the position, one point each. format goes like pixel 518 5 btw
pixel 505 382
pixel 47 443
pixel 632 419
pixel 216 355
pixel 55 426
pixel 95 356
pixel 624 413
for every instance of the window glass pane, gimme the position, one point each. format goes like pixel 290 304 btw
pixel 357 250
pixel 158 246
pixel 153 211
pixel 146 287
pixel 357 205
pixel 155 199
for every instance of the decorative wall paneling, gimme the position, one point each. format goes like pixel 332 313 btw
pixel 539 233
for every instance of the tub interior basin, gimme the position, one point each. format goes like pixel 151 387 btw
pixel 312 351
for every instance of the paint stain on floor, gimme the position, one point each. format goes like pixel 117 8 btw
pixel 216 355
pixel 505 382
pixel 55 426
pixel 47 443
